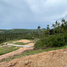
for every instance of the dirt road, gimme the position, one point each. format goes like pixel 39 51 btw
pixel 14 53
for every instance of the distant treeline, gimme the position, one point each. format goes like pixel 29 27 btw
pixel 6 35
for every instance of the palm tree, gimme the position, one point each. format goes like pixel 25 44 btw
pixel 62 27
pixel 53 25
pixel 48 30
pixel 56 23
pixel 63 20
pixel 39 31
pixel 58 28
pixel 65 26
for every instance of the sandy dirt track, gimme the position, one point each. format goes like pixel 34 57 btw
pixel 19 51
pixel 24 41
pixel 55 58
pixel 14 53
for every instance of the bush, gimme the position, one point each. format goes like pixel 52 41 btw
pixel 40 43
pixel 51 41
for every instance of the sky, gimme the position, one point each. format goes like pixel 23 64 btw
pixel 29 14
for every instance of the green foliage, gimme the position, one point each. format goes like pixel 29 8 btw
pixel 51 41
pixel 39 43
pixel 20 43
pixel 65 37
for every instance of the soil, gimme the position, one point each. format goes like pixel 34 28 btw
pixel 24 41
pixel 55 58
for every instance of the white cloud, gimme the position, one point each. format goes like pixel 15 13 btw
pixel 28 12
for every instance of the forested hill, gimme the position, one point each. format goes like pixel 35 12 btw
pixel 17 31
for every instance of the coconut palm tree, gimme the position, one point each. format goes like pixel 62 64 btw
pixel 48 30
pixel 53 25
pixel 65 26
pixel 63 20
pixel 58 28
pixel 39 31
pixel 56 23
pixel 62 27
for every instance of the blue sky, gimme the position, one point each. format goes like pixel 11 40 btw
pixel 28 14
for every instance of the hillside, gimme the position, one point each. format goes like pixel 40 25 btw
pixel 17 31
pixel 55 58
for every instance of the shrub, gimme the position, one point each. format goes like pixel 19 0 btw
pixel 51 41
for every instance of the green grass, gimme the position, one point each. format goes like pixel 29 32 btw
pixel 6 49
pixel 35 40
pixel 35 52
pixel 20 43
pixel 2 44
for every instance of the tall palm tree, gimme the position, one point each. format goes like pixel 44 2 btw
pixel 48 30
pixel 62 27
pixel 53 25
pixel 39 31
pixel 64 24
pixel 56 23
pixel 58 28
pixel 63 20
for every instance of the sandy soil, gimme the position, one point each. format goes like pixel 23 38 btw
pixel 55 58
pixel 24 41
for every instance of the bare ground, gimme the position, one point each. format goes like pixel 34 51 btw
pixel 55 58
pixel 23 40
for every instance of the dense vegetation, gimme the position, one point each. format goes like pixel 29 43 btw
pixel 55 37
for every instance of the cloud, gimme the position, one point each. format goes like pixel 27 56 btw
pixel 31 13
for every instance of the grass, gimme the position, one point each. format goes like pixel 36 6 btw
pixel 20 43
pixel 6 49
pixel 34 52
pixel 2 44
pixel 35 40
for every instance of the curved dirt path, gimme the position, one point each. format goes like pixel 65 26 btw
pixel 14 53
pixel 17 52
